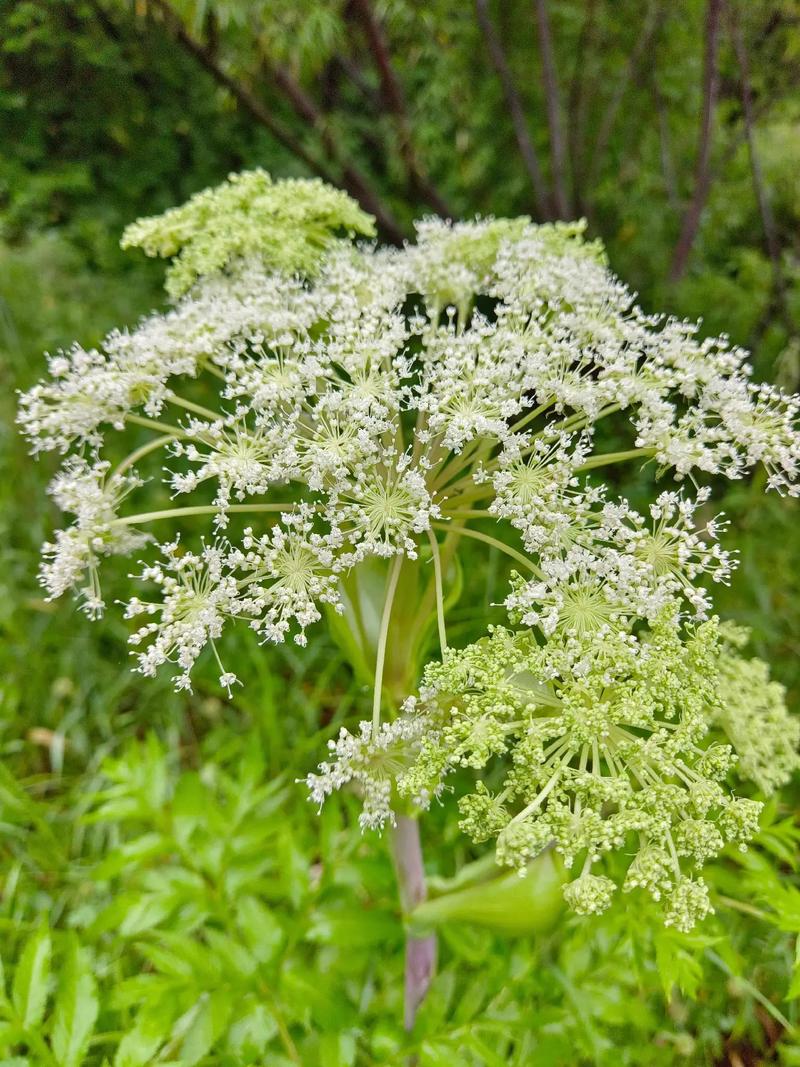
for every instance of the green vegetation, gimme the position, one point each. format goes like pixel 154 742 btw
pixel 167 892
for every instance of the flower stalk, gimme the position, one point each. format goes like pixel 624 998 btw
pixel 420 959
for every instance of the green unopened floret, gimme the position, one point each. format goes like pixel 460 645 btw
pixel 595 742
pixel 289 225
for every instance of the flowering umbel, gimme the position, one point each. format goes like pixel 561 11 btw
pixel 287 225
pixel 592 741
pixel 322 407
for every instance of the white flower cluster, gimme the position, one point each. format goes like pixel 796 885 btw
pixel 89 393
pixel 601 561
pixel 324 402
pixel 371 761
pixel 93 496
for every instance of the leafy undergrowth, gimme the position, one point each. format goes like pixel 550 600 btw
pixel 181 905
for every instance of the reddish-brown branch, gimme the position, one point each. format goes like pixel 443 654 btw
pixel 552 97
pixel 515 108
pixel 576 102
pixel 702 175
pixel 771 239
pixel 395 103
pixel 351 178
pixel 371 96
pixel 665 147
pixel 639 53
pixel 248 101
pixel 420 951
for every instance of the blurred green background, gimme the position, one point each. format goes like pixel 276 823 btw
pixel 168 895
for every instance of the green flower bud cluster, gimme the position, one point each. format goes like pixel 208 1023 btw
pixel 752 711
pixel 598 743
pixel 287 224
pixel 590 894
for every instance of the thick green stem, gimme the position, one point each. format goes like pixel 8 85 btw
pixel 197 409
pixel 155 424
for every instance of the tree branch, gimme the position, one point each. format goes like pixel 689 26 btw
pixel 576 102
pixel 552 98
pixel 370 95
pixel 702 180
pixel 395 103
pixel 251 104
pixel 114 33
pixel 644 43
pixel 771 239
pixel 665 148
pixel 516 111
pixel 351 178
pixel 341 68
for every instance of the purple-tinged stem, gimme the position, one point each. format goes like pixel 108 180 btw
pixel 420 951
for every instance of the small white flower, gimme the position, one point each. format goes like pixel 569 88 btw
pixel 93 496
pixel 350 401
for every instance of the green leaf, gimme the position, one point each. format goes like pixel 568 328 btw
pixel 252 1032
pixel 130 855
pixel 785 900
pixel 152 1027
pixel 294 868
pixel 676 968
pixel 306 997
pixel 261 931
pixel 436 1054
pixel 488 1055
pixel 794 987
pixel 183 957
pixel 29 991
pixel 209 1022
pixel 11 1033
pixel 437 1003
pixel 76 1008
pixel 356 928
pixel 236 963
pixel 470 1000
pixel 337 1050
pixel 131 914
pixel 509 904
